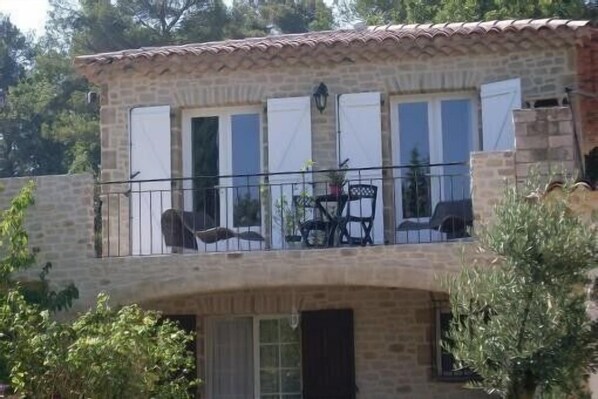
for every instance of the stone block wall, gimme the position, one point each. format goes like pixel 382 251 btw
pixel 543 73
pixel 394 333
pixel 544 140
pixel 584 95
pixel 490 173
pixel 60 223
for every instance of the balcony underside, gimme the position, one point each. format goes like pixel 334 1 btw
pixel 139 279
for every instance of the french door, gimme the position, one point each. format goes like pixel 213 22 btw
pixel 432 138
pixel 221 158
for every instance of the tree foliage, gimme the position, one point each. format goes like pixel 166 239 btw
pixel 47 126
pixel 104 353
pixel 521 323
pixel 426 11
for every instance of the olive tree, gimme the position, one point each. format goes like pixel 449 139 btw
pixel 519 321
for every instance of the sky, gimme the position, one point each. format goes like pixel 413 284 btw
pixel 27 15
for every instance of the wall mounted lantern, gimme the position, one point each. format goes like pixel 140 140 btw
pixel 320 97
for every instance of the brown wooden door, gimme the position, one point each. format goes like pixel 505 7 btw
pixel 328 359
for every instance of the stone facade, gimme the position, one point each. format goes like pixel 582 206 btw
pixel 390 287
pixel 584 93
pixel 60 223
pixel 490 174
pixel 394 333
pixel 544 140
pixel 139 279
pixel 543 73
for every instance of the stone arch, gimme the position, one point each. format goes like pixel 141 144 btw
pixel 130 280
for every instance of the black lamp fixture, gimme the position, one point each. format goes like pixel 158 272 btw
pixel 320 97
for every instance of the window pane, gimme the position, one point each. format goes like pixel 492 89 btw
pixel 246 161
pixel 291 381
pixel 414 150
pixel 290 355
pixel 269 355
pixel 269 381
pixel 287 334
pixel 280 358
pixel 204 161
pixel 231 358
pixel 269 331
pixel 456 146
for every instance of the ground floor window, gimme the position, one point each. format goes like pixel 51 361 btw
pixel 279 359
pixel 254 357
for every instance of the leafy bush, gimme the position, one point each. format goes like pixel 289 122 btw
pixel 103 354
pixel 521 323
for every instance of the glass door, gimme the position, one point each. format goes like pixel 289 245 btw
pixel 240 191
pixel 222 156
pixel 415 184
pixel 205 196
pixel 432 139
pixel 457 143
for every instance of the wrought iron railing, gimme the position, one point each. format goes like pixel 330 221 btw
pixel 278 211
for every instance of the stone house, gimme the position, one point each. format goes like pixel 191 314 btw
pixel 217 207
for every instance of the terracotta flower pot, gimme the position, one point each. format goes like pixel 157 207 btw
pixel 335 189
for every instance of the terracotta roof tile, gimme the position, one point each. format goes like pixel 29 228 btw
pixel 344 38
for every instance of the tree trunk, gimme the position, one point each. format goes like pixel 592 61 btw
pixel 523 389
pixel 522 394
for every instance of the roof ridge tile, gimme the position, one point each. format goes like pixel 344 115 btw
pixel 342 37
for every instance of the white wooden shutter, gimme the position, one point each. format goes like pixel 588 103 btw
pixel 499 99
pixel 289 147
pixel 150 160
pixel 360 141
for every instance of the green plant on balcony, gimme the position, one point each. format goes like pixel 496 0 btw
pixel 288 218
pixel 337 178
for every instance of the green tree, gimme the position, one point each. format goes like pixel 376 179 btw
pixel 16 53
pixel 104 353
pixel 520 322
pixel 424 11
pixel 417 202
pixel 474 10
pixel 17 257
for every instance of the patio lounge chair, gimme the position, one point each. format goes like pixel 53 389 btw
pixel 181 227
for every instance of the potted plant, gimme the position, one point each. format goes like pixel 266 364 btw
pixel 288 218
pixel 337 178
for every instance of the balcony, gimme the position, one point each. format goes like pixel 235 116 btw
pixel 409 204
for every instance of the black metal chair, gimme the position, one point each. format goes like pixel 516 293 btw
pixel 359 193
pixel 310 226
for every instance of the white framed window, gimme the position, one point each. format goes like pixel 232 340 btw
pixel 222 151
pixel 278 358
pixel 253 357
pixel 439 130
